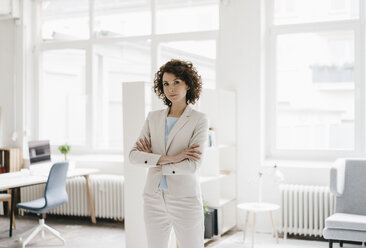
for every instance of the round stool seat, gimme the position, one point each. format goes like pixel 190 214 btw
pixel 258 206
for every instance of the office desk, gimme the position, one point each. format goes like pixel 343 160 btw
pixel 24 178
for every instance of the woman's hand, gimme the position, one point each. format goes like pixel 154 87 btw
pixel 144 146
pixel 190 153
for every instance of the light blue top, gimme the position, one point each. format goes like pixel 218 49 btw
pixel 169 124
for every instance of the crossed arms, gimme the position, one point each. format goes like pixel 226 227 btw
pixel 184 163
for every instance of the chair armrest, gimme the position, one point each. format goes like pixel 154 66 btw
pixel 337 176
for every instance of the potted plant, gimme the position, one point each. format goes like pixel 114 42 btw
pixel 64 149
pixel 210 214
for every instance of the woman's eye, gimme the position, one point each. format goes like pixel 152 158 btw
pixel 177 82
pixel 165 84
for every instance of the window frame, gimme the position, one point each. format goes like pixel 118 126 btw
pixel 357 26
pixel 88 45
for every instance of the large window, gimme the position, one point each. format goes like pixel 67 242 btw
pixel 86 49
pixel 315 80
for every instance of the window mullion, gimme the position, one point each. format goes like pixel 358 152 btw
pixel 153 44
pixel 362 82
pixel 90 126
pixel 314 27
pixel 359 88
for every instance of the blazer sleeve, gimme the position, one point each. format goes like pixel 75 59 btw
pixel 189 166
pixel 140 158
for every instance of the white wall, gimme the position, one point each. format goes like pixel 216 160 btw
pixel 239 64
pixel 15 81
pixel 6 81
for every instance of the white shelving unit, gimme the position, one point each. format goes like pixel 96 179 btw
pixel 218 171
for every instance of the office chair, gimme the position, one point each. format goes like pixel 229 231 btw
pixel 54 195
pixel 7 198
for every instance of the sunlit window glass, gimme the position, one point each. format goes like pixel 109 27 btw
pixel 63 99
pixel 64 19
pixel 116 64
pixel 122 18
pixel 300 11
pixel 186 15
pixel 201 53
pixel 315 90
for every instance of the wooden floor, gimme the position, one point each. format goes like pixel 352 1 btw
pixel 235 240
pixel 80 233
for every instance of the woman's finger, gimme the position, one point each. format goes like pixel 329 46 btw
pixel 138 146
pixel 197 151
pixel 193 158
pixel 193 155
pixel 147 143
pixel 194 150
pixel 143 144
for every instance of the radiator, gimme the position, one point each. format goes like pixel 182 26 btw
pixel 108 193
pixel 304 209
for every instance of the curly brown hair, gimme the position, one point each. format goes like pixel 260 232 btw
pixel 184 71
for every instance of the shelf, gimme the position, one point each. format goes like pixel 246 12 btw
pixel 220 165
pixel 223 202
pixel 204 179
pixel 227 228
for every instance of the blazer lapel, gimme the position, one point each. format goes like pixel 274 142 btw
pixel 162 129
pixel 180 123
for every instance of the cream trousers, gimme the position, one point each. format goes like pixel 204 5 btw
pixel 185 214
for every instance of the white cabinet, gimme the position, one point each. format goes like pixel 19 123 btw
pixel 218 172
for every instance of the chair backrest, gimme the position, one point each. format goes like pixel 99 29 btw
pixel 353 199
pixel 55 191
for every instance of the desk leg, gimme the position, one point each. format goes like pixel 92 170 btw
pixel 246 225
pixel 253 231
pixel 11 213
pixel 274 227
pixel 90 199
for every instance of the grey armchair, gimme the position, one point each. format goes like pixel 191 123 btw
pixel 348 184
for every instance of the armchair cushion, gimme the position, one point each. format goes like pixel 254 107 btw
pixel 346 221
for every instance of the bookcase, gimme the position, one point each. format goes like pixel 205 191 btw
pixel 11 158
pixel 218 171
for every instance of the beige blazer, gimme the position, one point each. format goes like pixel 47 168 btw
pixel 183 177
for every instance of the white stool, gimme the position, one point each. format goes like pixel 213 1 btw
pixel 256 207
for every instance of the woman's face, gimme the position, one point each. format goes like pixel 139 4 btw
pixel 175 89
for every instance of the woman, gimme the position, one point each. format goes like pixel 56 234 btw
pixel 171 144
